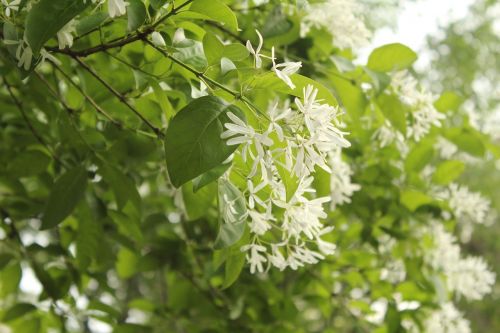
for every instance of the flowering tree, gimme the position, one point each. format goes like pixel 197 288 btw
pixel 225 166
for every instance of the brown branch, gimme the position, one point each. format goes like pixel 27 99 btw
pixel 120 97
pixel 122 41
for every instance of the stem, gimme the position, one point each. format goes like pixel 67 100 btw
pixel 120 97
pixel 37 136
pixel 202 77
pixel 122 41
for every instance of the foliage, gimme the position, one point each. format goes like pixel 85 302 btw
pixel 164 169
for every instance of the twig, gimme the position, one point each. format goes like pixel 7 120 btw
pixel 201 76
pixel 38 137
pixel 122 41
pixel 122 98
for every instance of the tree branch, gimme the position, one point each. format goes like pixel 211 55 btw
pixel 120 97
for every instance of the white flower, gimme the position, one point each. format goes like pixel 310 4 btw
pixel 65 35
pixel 341 187
pixel 47 56
pixel 252 194
pixel 321 120
pixel 446 148
pixel 423 114
pixel 259 222
pixel 285 69
pixel 341 18
pixel 157 39
pixel 301 255
pixel 11 6
pixel 277 115
pixel 325 247
pixel 256 52
pixel 466 205
pixel 117 8
pixel 24 54
pixel 240 133
pixel 303 217
pixel 255 256
pixel 468 276
pixel 276 258
pixel 471 278
pixel 447 319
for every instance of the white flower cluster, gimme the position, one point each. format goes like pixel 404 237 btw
pixel 467 206
pixel 387 135
pixel 446 319
pixel 341 18
pixel 423 113
pixel 468 276
pixel 284 213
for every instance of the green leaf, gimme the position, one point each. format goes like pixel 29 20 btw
pixel 198 203
pixel 213 48
pixel 418 157
pixel 350 95
pixel 47 17
pixel 88 23
pixel 468 141
pixel 209 176
pixel 123 187
pixel 162 99
pixel 128 226
pixel 380 80
pixel 234 265
pixel 5 258
pixel 393 319
pixel 64 196
pixel 448 101
pixel 391 57
pixel 28 163
pixel 413 199
pixel 136 13
pixel 217 11
pixel 235 52
pixel 394 111
pixel 448 171
pixel 193 144
pixel 230 232
pixel 10 277
pixel 17 311
pixel 126 263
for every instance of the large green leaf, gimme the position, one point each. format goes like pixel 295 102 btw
pixel 47 17
pixel 213 48
pixel 136 14
pixel 64 196
pixel 217 11
pixel 448 171
pixel 391 57
pixel 413 199
pixel 193 144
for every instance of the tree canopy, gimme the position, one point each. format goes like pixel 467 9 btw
pixel 230 166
